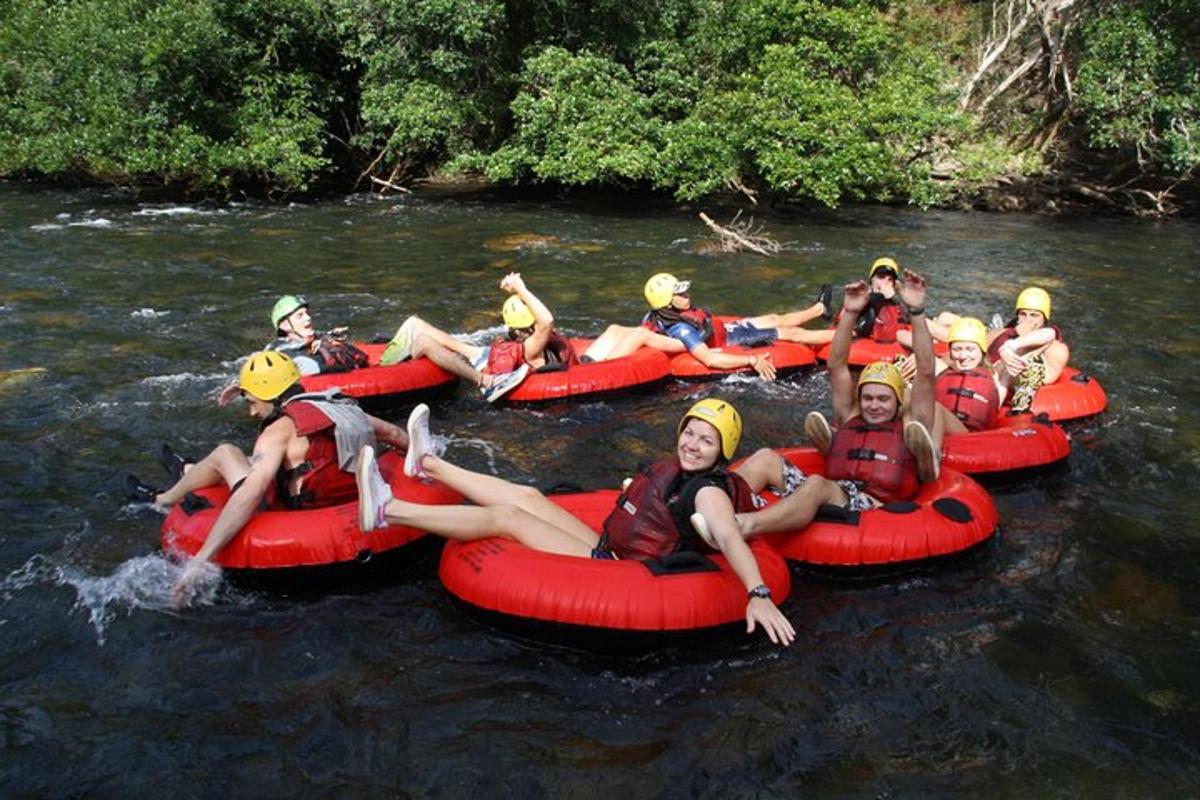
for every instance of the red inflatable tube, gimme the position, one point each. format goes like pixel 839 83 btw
pixel 1073 396
pixel 414 375
pixel 864 351
pixel 644 367
pixel 949 516
pixel 1024 444
pixel 510 580
pixel 786 356
pixel 275 540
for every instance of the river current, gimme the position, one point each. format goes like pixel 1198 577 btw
pixel 1062 660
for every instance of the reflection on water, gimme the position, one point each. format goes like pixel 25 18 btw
pixel 1060 660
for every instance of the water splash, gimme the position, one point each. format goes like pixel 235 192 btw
pixel 440 443
pixel 144 582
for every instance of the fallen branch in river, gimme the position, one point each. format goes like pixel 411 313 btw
pixel 738 236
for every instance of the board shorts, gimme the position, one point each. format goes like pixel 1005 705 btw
pixel 856 498
pixel 744 333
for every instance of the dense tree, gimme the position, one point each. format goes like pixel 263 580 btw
pixel 919 101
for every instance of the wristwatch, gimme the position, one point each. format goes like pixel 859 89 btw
pixel 760 591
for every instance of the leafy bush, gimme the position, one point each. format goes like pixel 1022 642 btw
pixel 1138 82
pixel 174 91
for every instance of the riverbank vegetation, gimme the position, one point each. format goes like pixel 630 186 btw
pixel 1041 104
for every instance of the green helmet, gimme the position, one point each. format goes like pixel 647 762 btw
pixel 284 307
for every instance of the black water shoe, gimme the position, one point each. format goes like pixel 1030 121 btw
pixel 825 298
pixel 172 462
pixel 138 492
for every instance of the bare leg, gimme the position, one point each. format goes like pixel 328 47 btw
pixel 467 351
pixel 619 341
pixel 448 360
pixel 945 422
pixel 794 511
pixel 488 490
pixel 815 338
pixel 467 523
pixel 762 469
pixel 790 319
pixel 225 464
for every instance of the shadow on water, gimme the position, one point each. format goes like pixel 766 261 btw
pixel 1059 660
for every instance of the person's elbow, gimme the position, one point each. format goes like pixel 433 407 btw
pixel 726 538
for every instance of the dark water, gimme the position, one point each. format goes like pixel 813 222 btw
pixel 1061 662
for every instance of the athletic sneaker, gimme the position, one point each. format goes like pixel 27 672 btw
pixel 817 429
pixel 701 525
pixel 400 347
pixel 418 441
pixel 997 321
pixel 825 298
pixel 504 383
pixel 920 444
pixel 373 492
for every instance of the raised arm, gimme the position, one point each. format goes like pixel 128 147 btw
pixel 543 320
pixel 923 394
pixel 854 300
pixel 717 509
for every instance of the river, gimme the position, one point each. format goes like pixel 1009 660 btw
pixel 1060 661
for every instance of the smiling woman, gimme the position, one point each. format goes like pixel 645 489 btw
pixel 650 519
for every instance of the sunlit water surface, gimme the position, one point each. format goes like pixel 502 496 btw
pixel 1062 660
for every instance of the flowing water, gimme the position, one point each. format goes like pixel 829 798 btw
pixel 1061 661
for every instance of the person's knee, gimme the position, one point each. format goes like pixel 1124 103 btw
pixel 508 520
pixel 423 345
pixel 819 487
pixel 525 496
pixel 226 451
pixel 764 460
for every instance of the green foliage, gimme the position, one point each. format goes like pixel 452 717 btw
pixel 431 74
pixel 825 100
pixel 196 93
pixel 1138 82
pixel 578 120
pixel 825 103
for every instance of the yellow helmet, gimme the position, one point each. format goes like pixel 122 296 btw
pixel 722 416
pixel 884 263
pixel 267 375
pixel 884 373
pixel 516 314
pixel 969 329
pixel 1034 298
pixel 662 287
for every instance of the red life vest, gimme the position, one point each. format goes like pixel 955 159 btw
pixel 699 318
pixel 879 321
pixel 888 318
pixel 507 354
pixel 325 484
pixel 649 520
pixel 336 355
pixel 1008 333
pixel 971 395
pixel 876 457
